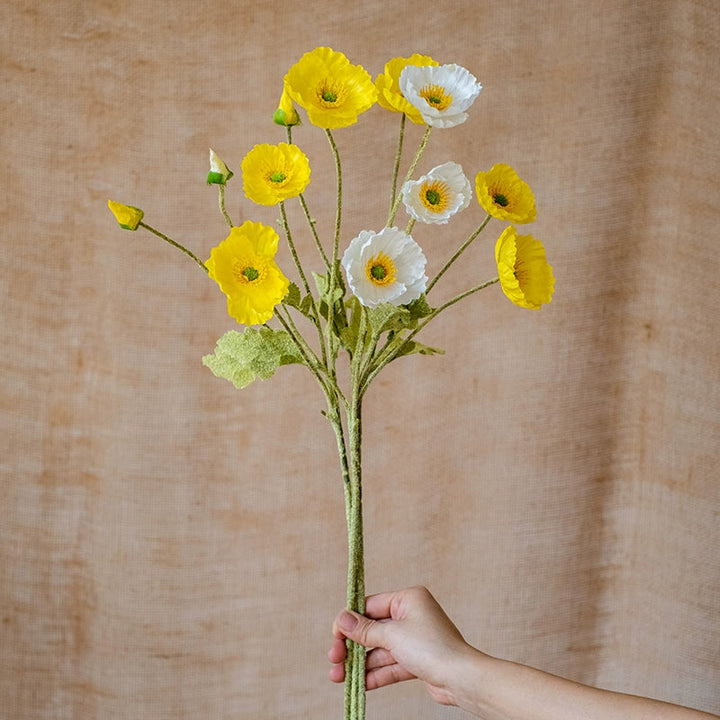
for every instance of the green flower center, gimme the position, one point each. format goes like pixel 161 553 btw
pixel 329 96
pixel 501 200
pixel 381 270
pixel 250 274
pixel 433 197
pixel 277 177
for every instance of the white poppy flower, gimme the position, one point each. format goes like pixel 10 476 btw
pixel 387 266
pixel 437 196
pixel 441 93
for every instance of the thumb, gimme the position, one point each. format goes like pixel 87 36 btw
pixel 361 629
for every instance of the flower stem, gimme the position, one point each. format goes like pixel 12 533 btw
pixel 293 250
pixel 355 663
pixel 175 244
pixel 298 265
pixel 462 249
pixel 221 202
pixel 311 223
pixel 332 274
pixel 398 155
pixel 408 176
pixel 390 352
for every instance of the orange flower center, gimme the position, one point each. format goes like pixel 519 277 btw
pixel 435 196
pixel 435 96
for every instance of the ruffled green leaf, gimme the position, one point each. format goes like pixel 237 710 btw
pixel 419 308
pixel 349 334
pixel 387 317
pixel 292 297
pixel 415 347
pixel 242 357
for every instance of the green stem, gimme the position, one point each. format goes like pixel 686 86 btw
pixel 221 202
pixel 298 265
pixel 293 250
pixel 398 155
pixel 332 340
pixel 309 356
pixel 462 249
pixel 411 170
pixel 175 244
pixel 389 353
pixel 311 223
pixel 355 663
pixel 338 209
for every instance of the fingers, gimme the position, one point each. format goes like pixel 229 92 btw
pixel 387 675
pixel 381 668
pixel 359 628
pixel 337 651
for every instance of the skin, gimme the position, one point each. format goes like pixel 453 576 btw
pixel 410 636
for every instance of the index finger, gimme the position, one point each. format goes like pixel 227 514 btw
pixel 380 606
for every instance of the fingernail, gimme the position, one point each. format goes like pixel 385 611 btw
pixel 347 622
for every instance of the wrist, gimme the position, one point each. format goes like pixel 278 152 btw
pixel 468 679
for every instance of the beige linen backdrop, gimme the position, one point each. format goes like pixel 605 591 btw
pixel 173 548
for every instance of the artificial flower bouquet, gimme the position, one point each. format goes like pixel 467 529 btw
pixel 369 303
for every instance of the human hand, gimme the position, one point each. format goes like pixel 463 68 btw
pixel 409 636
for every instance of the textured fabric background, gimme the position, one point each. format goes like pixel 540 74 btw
pixel 173 548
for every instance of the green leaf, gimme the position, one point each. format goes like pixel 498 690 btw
pixel 292 297
pixel 388 317
pixel 419 308
pixel 415 347
pixel 349 333
pixel 242 357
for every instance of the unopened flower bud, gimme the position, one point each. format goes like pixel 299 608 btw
pixel 128 217
pixel 219 173
pixel 286 114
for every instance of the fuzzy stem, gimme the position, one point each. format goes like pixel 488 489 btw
pixel 462 249
pixel 332 341
pixel 396 168
pixel 175 244
pixel 411 170
pixel 388 354
pixel 355 663
pixel 311 223
pixel 221 203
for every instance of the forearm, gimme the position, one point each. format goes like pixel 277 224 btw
pixel 495 689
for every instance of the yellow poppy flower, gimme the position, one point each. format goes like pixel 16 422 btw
pixel 504 195
pixel 388 86
pixel 272 173
pixel 244 267
pixel 128 217
pixel 525 276
pixel 332 91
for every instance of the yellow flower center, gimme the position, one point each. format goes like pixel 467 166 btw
pixel 381 270
pixel 330 94
pixel 248 272
pixel 435 96
pixel 435 196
